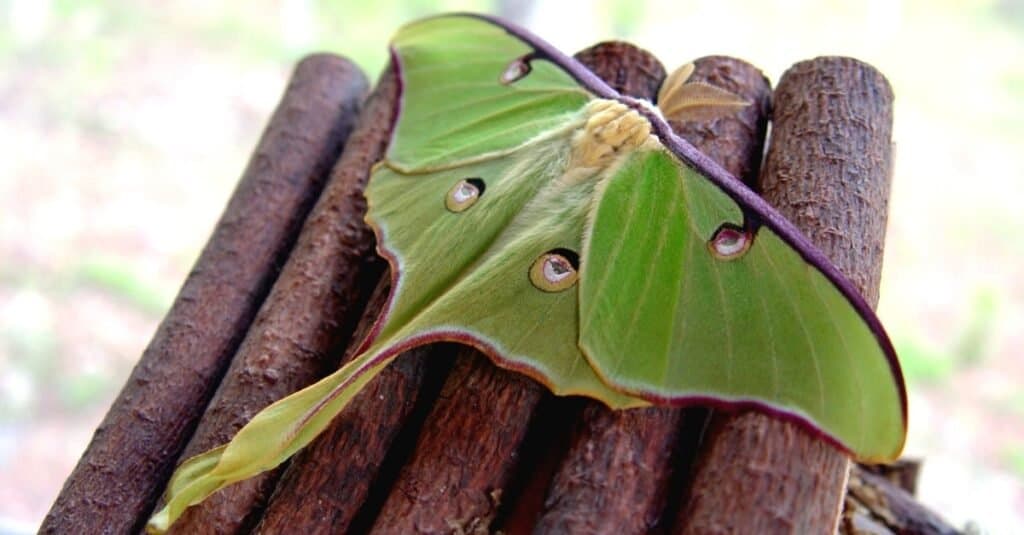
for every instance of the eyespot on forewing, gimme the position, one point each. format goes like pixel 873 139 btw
pixel 464 194
pixel 555 270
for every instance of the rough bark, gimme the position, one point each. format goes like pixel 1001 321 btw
pixel 827 170
pixel 878 506
pixel 123 471
pixel 465 459
pixel 311 309
pixel 628 69
pixel 328 483
pixel 903 472
pixel 454 482
pixel 733 139
pixel 482 453
pixel 616 477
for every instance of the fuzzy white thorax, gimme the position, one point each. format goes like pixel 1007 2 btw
pixel 611 130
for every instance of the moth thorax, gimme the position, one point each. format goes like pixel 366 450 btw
pixel 611 129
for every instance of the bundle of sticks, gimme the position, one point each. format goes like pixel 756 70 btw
pixel 443 441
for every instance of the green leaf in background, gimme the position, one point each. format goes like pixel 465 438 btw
pixel 125 281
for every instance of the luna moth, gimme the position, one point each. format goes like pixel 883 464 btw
pixel 530 211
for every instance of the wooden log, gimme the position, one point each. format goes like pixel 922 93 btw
pixel 628 69
pixel 466 457
pixel 126 465
pixel 874 504
pixel 327 484
pixel 827 170
pixel 735 140
pixel 311 310
pixel 466 454
pixel 902 472
pixel 616 476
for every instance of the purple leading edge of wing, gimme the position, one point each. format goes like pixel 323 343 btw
pixel 751 203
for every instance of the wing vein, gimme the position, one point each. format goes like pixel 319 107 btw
pixel 613 259
pixel 771 338
pixel 858 380
pixel 803 327
pixel 683 292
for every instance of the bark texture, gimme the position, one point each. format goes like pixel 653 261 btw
pixel 481 449
pixel 126 465
pixel 311 310
pixel 827 170
pixel 878 506
pixel 466 454
pixel 616 476
pixel 464 461
pixel 327 484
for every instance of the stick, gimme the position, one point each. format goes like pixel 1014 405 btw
pixel 616 476
pixel 876 505
pixel 327 484
pixel 127 463
pixel 310 311
pixel 467 454
pixel 827 170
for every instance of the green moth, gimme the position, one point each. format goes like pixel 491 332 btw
pixel 530 211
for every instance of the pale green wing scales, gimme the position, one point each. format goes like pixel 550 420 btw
pixel 465 275
pixel 664 314
pixel 461 108
pixel 551 229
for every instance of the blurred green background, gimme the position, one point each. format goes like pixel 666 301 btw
pixel 124 125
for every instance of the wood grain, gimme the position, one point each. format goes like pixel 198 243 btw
pixel 310 312
pixel 464 461
pixel 616 476
pixel 827 170
pixel 126 465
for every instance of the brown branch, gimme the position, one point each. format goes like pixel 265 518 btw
pixel 734 140
pixel 328 483
pixel 616 476
pixel 903 472
pixel 827 170
pixel 876 505
pixel 466 456
pixel 493 442
pixel 628 69
pixel 315 302
pixel 124 469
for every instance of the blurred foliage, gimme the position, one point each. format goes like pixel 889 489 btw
pixel 926 362
pixel 120 279
pixel 922 362
pixel 84 389
pixel 1015 458
pixel 974 341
